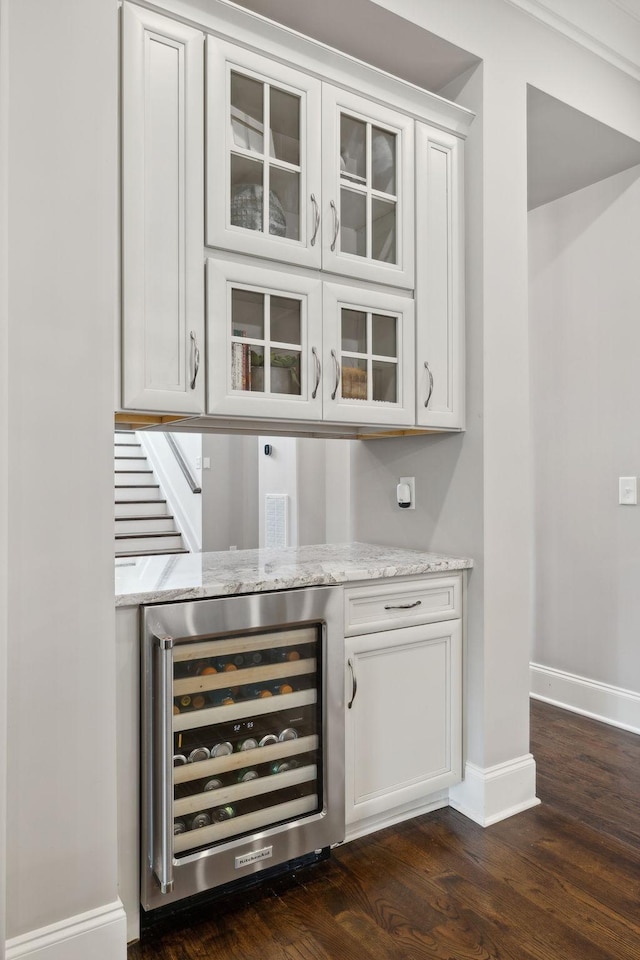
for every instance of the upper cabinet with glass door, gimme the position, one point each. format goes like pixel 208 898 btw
pixel 368 196
pixel 263 161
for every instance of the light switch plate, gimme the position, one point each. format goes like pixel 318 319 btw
pixel 628 490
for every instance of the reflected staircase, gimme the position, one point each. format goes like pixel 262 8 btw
pixel 143 525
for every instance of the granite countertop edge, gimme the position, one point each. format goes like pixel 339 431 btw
pixel 166 578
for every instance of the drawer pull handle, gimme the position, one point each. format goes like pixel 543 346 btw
pixel 402 606
pixel 354 683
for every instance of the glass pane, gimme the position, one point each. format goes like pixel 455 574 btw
pixel 247 112
pixel 383 239
pixel 353 222
pixel 285 372
pixel 354 379
pixel 353 149
pixel 256 371
pixel 383 160
pixel 284 204
pixel 354 331
pixel 384 335
pixel 247 314
pixel 385 379
pixel 263 728
pixel 285 320
pixel 246 193
pixel 285 126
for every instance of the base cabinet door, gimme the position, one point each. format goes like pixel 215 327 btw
pixel 403 729
pixel 162 225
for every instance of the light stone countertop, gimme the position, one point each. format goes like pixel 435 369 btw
pixel 192 576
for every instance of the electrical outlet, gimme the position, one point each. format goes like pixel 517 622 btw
pixel 628 490
pixel 411 483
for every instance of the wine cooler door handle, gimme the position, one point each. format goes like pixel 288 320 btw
pixel 162 856
pixel 354 683
pixel 316 219
pixel 338 374
pixel 195 354
pixel 336 226
pixel 403 606
pixel 318 372
pixel 428 369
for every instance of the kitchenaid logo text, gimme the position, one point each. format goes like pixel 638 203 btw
pixel 253 857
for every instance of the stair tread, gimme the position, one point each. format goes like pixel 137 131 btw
pixel 137 486
pixel 132 469
pixel 152 500
pixel 149 553
pixel 145 516
pixel 147 536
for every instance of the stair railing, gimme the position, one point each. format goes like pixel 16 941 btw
pixel 182 463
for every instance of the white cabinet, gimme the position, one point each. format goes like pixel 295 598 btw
pixel 263 141
pixel 162 214
pixel 368 356
pixel 328 242
pixel 265 342
pixel 367 180
pixel 440 279
pixel 403 694
pixel 291 347
pixel 268 137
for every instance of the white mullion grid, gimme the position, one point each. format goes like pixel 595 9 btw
pixel 369 189
pixel 266 190
pixel 267 342
pixel 369 352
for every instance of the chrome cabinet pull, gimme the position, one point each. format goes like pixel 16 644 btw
pixel 354 683
pixel 316 215
pixel 428 369
pixel 336 225
pixel 338 374
pixel 403 606
pixel 163 762
pixel 195 359
pixel 318 372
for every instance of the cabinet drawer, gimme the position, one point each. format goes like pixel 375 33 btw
pixel 392 605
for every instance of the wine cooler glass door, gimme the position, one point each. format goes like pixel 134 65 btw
pixel 238 747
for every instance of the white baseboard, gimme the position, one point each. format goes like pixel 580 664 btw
pixel 613 705
pixel 99 934
pixel 360 828
pixel 495 793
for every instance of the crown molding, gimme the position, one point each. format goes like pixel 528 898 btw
pixel 578 34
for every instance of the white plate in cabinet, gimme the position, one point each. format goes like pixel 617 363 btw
pixel 162 214
pixel 368 366
pixel 391 605
pixel 264 335
pixel 403 718
pixel 368 189
pixel 440 394
pixel 263 140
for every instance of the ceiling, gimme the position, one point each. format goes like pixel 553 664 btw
pixel 568 150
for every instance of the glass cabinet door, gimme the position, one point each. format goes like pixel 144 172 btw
pixel 367 189
pixel 264 328
pixel 368 362
pixel 263 174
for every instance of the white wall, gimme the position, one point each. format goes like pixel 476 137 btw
pixel 62 298
pixel 230 492
pixel 585 351
pixel 4 444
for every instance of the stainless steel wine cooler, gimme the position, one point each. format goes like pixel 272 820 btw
pixel 243 737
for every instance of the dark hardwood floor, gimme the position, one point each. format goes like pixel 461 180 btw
pixel 558 882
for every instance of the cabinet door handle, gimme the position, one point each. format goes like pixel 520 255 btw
pixel 318 372
pixel 162 857
pixel 195 359
pixel 354 683
pixel 428 369
pixel 316 219
pixel 338 374
pixel 403 606
pixel 336 225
